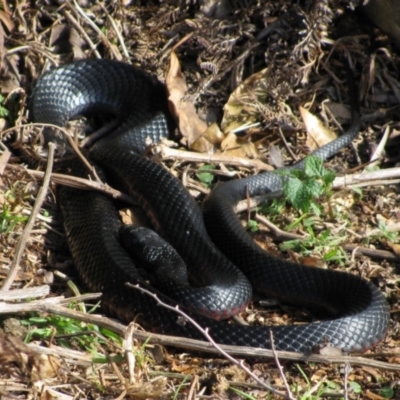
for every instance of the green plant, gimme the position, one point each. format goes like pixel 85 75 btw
pixel 302 187
pixel 204 176
pixel 178 389
pixel 386 233
pixel 242 394
pixel 9 220
pixel 252 225
pixel 4 112
pixel 313 392
pixel 325 244
pixel 68 333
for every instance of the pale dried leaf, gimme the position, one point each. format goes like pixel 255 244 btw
pixel 6 19
pixel 190 125
pixel 330 351
pixel 150 390
pixel 275 156
pixel 10 80
pixel 338 110
pixel 65 39
pixel 4 157
pixel 317 133
pixel 212 137
pixel 241 107
pixel 237 147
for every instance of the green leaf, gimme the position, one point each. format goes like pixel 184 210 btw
pixel 205 177
pixel 252 225
pixel 313 166
pixel 356 387
pixel 387 392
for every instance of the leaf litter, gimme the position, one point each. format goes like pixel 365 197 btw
pixel 221 65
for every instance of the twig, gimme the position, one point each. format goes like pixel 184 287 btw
pixel 205 333
pixel 373 253
pixel 102 37
pixel 23 239
pixel 168 153
pixel 278 364
pixel 25 293
pixel 66 135
pixel 375 158
pixel 380 177
pixel 278 233
pixel 347 370
pixel 128 350
pixel 54 305
pixel 366 178
pixel 78 183
pixel 78 27
pixel 287 145
pixel 118 33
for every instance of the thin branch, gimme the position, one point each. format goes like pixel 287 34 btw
pixel 24 293
pixel 78 27
pixel 24 238
pixel 78 183
pixel 278 364
pixel 55 306
pixel 117 31
pixel 205 333
pixel 168 153
pixel 101 35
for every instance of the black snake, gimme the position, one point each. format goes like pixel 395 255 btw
pixel 218 288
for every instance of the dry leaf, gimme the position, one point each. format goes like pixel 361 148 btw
pixel 234 146
pixel 6 19
pixel 149 390
pixel 190 125
pixel 373 396
pixel 185 368
pixel 395 247
pixel 317 133
pixel 338 110
pixel 275 156
pixel 330 351
pixel 373 371
pixel 212 137
pixel 65 39
pixel 4 157
pixel 241 107
pixel 314 262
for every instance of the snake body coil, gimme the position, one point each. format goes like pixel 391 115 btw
pixel 218 288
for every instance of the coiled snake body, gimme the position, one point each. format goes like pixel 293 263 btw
pixel 218 288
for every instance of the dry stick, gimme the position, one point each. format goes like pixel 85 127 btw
pixel 78 183
pixel 373 253
pixel 347 370
pixel 25 293
pixel 102 37
pixel 287 145
pixel 118 33
pixel 168 153
pixel 54 305
pixel 375 158
pixel 205 333
pixel 278 364
pixel 78 27
pixel 23 239
pixel 66 136
pixel 382 177
pixel 278 233
pixel 128 350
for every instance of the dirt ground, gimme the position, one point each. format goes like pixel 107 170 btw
pixel 301 49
